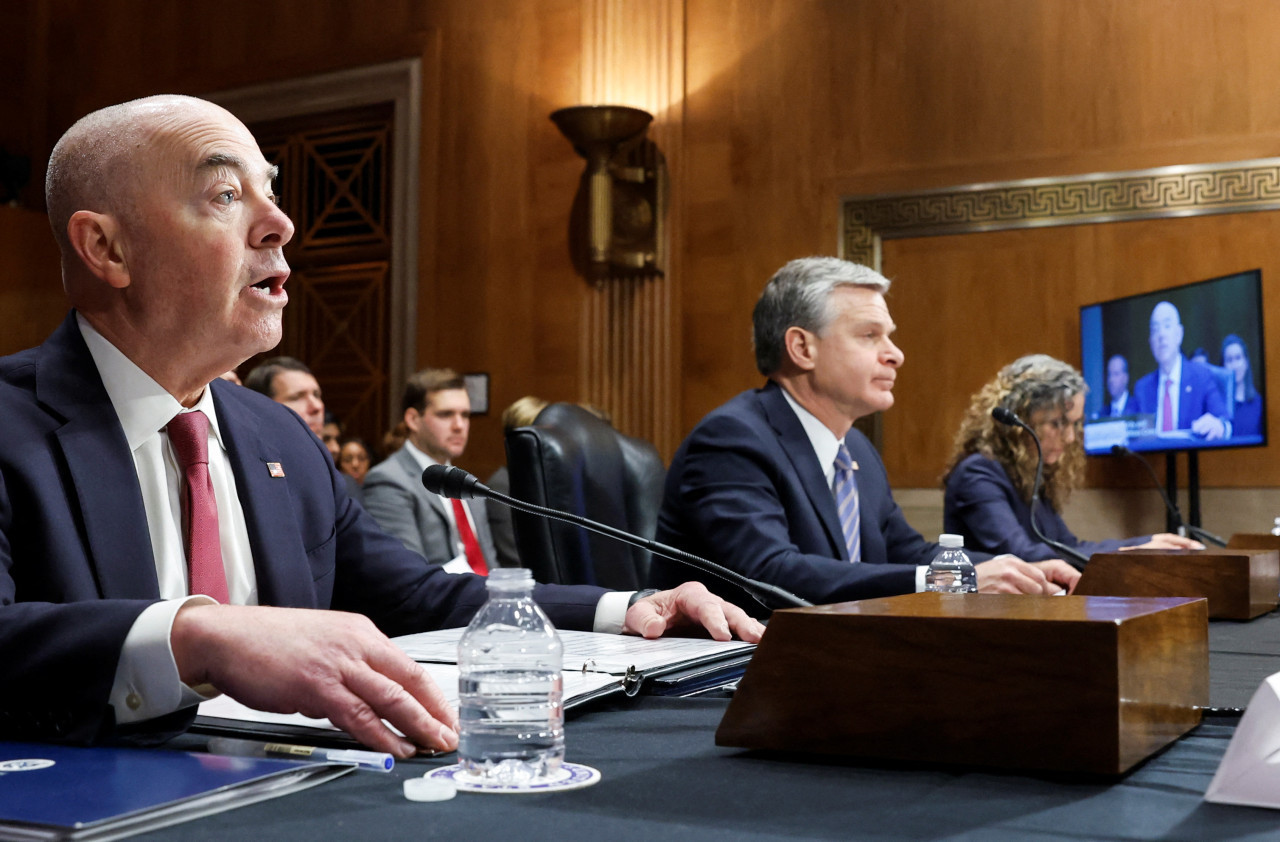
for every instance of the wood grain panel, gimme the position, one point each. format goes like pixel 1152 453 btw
pixel 786 106
pixel 32 303
pixel 968 304
pixel 792 105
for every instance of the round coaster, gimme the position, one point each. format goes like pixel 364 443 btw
pixel 568 776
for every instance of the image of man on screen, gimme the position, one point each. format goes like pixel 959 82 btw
pixel 1182 394
pixel 1119 401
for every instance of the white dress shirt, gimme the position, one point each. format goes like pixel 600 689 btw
pixel 146 682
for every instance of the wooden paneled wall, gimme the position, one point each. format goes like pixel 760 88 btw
pixel 792 105
pixel 787 106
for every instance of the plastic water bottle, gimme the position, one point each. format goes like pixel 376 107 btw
pixel 951 570
pixel 510 710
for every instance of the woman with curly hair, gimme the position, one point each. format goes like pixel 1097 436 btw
pixel 992 468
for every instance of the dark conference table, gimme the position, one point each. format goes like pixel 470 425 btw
pixel 664 778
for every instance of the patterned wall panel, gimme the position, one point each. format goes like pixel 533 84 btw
pixel 1075 200
pixel 336 322
pixel 334 171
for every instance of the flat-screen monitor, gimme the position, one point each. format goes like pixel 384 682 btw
pixel 1177 369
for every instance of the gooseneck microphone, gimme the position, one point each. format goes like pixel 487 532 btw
pixel 453 482
pixel 1184 528
pixel 1070 555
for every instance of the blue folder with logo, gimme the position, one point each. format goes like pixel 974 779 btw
pixel 69 792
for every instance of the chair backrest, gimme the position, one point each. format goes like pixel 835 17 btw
pixel 572 461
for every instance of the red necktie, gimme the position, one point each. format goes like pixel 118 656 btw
pixel 470 546
pixel 189 435
pixel 1167 408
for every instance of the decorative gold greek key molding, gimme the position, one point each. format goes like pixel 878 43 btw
pixel 1188 190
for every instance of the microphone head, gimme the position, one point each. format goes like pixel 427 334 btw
pixel 1120 450
pixel 450 481
pixel 1005 416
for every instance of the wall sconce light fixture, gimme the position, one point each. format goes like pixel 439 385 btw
pixel 616 225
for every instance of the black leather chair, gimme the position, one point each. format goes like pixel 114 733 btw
pixel 572 461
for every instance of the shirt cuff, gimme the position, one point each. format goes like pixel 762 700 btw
pixel 611 612
pixel 921 570
pixel 147 684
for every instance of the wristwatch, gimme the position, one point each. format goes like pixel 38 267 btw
pixel 639 595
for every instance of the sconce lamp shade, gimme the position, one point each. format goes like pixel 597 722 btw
pixel 600 129
pixel 616 224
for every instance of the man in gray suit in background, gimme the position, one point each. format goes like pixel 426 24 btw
pixel 455 533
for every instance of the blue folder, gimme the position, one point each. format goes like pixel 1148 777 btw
pixel 70 792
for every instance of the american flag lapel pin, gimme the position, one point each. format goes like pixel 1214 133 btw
pixel 275 469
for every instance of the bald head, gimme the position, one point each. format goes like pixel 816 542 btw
pixel 1165 335
pixel 172 242
pixel 96 164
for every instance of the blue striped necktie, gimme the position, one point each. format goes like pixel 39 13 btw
pixel 847 503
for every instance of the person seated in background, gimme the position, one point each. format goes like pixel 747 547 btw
pixel 353 458
pixel 1247 418
pixel 287 380
pixel 778 485
pixel 166 536
pixel 231 377
pixel 992 468
pixel 452 532
pixel 1182 394
pixel 331 435
pixel 1119 402
pixel 393 439
pixel 521 413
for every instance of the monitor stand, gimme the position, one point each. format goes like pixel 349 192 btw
pixel 1193 487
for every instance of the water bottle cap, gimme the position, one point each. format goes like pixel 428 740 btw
pixel 510 579
pixel 950 541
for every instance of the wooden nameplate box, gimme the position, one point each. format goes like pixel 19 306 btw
pixel 1239 583
pixel 1079 684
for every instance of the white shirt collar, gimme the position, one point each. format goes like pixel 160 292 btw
pixel 142 405
pixel 424 461
pixel 825 443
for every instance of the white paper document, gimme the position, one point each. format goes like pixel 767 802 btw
pixel 1249 773
pixel 615 654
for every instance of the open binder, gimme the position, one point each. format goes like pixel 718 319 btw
pixel 595 665
pixel 667 665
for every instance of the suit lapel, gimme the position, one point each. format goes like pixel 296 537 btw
pixel 279 559
pixel 795 443
pixel 435 505
pixel 102 475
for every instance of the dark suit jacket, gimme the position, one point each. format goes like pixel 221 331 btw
pixel 1126 409
pixel 982 505
pixel 76 567
pixel 1247 420
pixel 746 490
pixel 1200 394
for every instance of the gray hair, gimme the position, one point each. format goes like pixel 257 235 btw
pixel 1038 381
pixel 797 296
